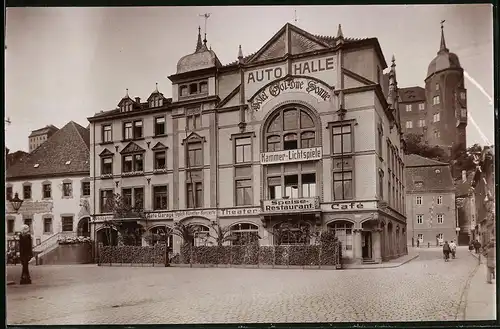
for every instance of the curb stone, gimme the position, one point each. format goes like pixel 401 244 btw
pixel 462 308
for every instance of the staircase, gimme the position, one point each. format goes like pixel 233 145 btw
pixel 369 261
pixel 48 245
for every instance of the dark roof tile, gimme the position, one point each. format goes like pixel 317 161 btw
pixel 425 175
pixel 69 144
pixel 412 94
pixel 414 160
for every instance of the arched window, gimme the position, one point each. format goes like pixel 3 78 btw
pixel 292 233
pixel 201 235
pixel 290 128
pixel 244 233
pixel 343 231
pixel 158 236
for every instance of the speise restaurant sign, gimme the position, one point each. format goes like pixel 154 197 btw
pixel 290 205
pixel 290 84
pixel 308 154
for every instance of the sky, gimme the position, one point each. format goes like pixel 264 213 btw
pixel 66 64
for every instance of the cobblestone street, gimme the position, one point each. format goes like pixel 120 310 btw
pixel 424 289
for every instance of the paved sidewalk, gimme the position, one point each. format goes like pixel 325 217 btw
pixel 481 296
pixel 412 254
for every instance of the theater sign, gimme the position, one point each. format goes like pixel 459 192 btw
pixel 307 154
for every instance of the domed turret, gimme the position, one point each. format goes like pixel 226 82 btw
pixel 444 60
pixel 202 58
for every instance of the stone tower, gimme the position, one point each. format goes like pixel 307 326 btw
pixel 446 101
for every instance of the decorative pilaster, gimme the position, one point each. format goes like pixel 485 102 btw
pixel 377 246
pixel 357 246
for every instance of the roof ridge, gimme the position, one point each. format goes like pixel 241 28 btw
pixel 430 162
pixel 77 128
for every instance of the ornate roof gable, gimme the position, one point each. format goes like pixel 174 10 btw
pixel 105 153
pixel 193 137
pixel 132 148
pixel 158 147
pixel 299 41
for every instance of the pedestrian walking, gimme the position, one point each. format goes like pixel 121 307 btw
pixel 477 246
pixel 418 243
pixel 26 253
pixel 453 249
pixel 490 260
pixel 446 251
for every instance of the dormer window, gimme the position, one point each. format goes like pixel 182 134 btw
pixel 203 87
pixel 127 107
pixel 156 102
pixel 193 89
pixel 463 112
pixel 184 90
pixel 462 95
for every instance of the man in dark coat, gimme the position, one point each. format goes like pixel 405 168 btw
pixel 446 251
pixel 26 253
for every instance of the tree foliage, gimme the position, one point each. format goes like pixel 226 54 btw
pixel 462 159
pixel 125 219
pixel 416 145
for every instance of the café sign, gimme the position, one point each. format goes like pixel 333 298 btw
pixel 307 154
pixel 287 85
pixel 290 205
pixel 349 206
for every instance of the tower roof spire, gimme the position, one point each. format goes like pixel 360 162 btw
pixel 339 32
pixel 199 45
pixel 442 46
pixel 240 54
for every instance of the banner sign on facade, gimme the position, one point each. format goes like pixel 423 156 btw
pixel 290 84
pixel 349 206
pixel 308 154
pixel 290 205
pixel 239 212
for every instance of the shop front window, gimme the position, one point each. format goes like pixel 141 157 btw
pixel 343 231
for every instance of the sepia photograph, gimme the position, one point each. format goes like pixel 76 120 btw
pixel 250 164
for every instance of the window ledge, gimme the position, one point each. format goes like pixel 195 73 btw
pixel 345 155
pixel 107 176
pixel 132 173
pixel 47 199
pixel 160 171
pixel 243 164
pixel 160 136
pixel 67 197
pixel 106 143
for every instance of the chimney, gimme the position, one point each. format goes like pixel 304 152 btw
pixel 464 176
pixel 138 100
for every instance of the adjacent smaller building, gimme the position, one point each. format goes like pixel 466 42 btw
pixel 484 195
pixel 40 136
pixel 430 201
pixel 53 182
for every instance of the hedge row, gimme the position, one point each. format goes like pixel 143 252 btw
pixel 132 254
pixel 305 255
pixel 301 255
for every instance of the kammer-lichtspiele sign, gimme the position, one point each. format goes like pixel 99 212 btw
pixel 307 154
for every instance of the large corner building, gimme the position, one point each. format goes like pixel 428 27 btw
pixel 304 131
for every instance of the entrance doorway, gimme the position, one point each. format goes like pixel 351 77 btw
pixel 366 239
